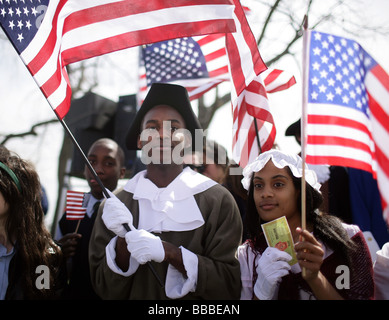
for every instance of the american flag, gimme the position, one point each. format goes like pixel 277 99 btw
pixel 252 119
pixel 201 63
pixel 74 205
pixel 348 109
pixel 50 34
pixel 197 63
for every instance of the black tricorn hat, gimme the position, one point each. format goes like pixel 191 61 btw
pixel 294 129
pixel 163 94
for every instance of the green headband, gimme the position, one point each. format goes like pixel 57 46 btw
pixel 12 175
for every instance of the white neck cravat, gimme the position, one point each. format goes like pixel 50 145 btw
pixel 172 208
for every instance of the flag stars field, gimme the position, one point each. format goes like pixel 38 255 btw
pixel 333 61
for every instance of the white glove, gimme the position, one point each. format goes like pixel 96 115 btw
pixel 145 246
pixel 272 266
pixel 115 213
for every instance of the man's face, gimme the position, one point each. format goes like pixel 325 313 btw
pixel 105 161
pixel 162 136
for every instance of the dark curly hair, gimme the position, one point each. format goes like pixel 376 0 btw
pixel 24 224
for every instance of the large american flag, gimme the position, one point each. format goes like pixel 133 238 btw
pixel 201 63
pixel 50 34
pixel 348 109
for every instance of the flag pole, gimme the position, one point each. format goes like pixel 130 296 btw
pixel 93 172
pixel 125 225
pixel 303 125
pixel 78 225
pixel 257 135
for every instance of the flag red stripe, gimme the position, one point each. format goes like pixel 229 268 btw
pixel 381 75
pixel 333 140
pixel 285 86
pixel 261 114
pixel 258 63
pixel 209 38
pixel 140 37
pixel 74 208
pixel 53 83
pixel 47 49
pixel 62 109
pixel 126 8
pixel 218 72
pixel 273 75
pixel 383 161
pixel 238 78
pixel 215 54
pixel 338 161
pixel 198 95
pixel 343 122
pixel 241 112
pixel 381 116
pixel 270 140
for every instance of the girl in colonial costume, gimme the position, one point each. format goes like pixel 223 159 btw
pixel 334 255
pixel 31 263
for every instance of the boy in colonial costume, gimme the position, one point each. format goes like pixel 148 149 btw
pixel 183 223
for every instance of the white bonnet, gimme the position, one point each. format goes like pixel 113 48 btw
pixel 280 159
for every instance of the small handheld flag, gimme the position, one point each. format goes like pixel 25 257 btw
pixel 74 205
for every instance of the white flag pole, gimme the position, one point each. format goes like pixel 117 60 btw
pixel 305 68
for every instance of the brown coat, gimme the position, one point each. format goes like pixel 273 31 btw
pixel 215 244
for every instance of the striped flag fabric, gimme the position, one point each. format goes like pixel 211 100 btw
pixel 347 109
pixel 277 80
pixel 201 63
pixel 253 126
pixel 248 95
pixel 50 34
pixel 197 63
pixel 74 205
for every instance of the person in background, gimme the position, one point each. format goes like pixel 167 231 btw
pixel 45 200
pixel 366 205
pixel 232 181
pixel 215 161
pixel 273 181
pixel 31 263
pixel 184 224
pixel 381 273
pixel 334 180
pixel 193 161
pixel 107 159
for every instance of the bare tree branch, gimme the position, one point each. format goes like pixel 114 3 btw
pixel 206 113
pixel 267 21
pixel 32 131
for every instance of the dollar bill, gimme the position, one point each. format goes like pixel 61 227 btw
pixel 278 235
